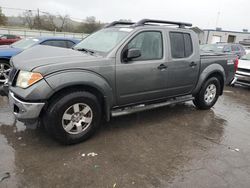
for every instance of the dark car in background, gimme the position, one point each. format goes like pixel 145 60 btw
pixel 8 39
pixel 6 52
pixel 236 49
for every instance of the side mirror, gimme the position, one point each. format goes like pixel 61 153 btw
pixel 133 53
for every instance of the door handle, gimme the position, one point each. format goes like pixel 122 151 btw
pixel 162 67
pixel 193 64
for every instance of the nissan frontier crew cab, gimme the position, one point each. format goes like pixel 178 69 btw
pixel 121 69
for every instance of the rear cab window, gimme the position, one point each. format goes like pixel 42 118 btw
pixel 181 44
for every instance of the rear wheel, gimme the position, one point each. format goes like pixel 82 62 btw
pixel 4 71
pixel 74 117
pixel 208 94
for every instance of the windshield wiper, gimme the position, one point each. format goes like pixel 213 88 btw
pixel 85 50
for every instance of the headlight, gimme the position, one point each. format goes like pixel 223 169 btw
pixel 26 79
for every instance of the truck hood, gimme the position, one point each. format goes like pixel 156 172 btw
pixel 8 51
pixel 47 59
pixel 244 64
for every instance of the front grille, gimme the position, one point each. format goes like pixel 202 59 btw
pixel 12 75
pixel 244 70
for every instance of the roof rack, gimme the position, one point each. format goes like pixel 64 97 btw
pixel 147 22
pixel 180 24
pixel 119 23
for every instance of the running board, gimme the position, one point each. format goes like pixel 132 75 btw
pixel 143 107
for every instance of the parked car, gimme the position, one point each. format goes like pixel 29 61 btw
pixel 8 39
pixel 121 69
pixel 242 75
pixel 7 52
pixel 236 49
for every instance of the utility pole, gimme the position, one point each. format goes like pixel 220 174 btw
pixel 217 19
pixel 38 18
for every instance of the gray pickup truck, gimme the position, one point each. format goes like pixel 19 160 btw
pixel 121 69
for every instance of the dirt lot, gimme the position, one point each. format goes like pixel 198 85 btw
pixel 175 146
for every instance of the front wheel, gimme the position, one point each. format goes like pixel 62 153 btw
pixel 208 94
pixel 74 117
pixel 4 71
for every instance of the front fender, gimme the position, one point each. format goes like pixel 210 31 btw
pixel 209 70
pixel 60 80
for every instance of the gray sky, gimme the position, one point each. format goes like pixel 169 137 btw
pixel 202 13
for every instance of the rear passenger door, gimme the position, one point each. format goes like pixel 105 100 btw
pixel 183 67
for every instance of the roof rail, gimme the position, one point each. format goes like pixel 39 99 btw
pixel 119 23
pixel 180 24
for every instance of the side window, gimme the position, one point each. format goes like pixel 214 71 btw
pixel 57 43
pixel 11 36
pixel 70 44
pixel 188 45
pixel 177 45
pixel 4 37
pixel 181 44
pixel 149 43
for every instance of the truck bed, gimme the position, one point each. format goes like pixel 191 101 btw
pixel 227 61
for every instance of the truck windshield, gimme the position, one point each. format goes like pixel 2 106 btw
pixel 212 48
pixel 104 40
pixel 25 43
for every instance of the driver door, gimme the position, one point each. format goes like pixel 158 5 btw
pixel 142 78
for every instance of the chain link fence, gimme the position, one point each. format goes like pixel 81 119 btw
pixel 35 33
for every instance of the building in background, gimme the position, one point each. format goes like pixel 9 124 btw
pixel 210 36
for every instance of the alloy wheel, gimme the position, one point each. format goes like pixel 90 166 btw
pixel 77 118
pixel 4 72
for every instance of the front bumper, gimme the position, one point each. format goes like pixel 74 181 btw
pixel 243 79
pixel 25 111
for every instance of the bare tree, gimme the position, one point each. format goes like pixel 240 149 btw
pixel 90 25
pixel 3 18
pixel 64 22
pixel 48 22
pixel 28 19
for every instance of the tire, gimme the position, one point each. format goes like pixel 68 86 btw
pixel 204 100
pixel 4 71
pixel 63 118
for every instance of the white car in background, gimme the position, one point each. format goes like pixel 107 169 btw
pixel 242 75
pixel 247 50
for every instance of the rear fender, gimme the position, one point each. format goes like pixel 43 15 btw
pixel 206 73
